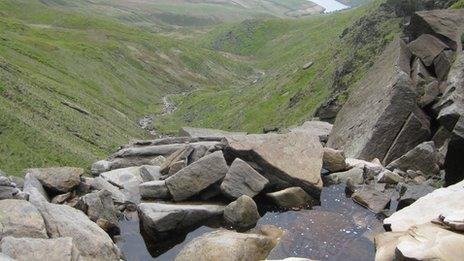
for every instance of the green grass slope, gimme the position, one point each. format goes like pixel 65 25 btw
pixel 72 86
pixel 342 46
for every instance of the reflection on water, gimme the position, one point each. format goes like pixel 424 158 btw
pixel 337 230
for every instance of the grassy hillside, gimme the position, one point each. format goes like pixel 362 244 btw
pixel 286 94
pixel 72 86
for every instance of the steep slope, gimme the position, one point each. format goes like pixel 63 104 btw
pixel 72 86
pixel 341 47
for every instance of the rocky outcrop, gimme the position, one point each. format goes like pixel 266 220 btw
pixel 92 242
pixel 444 24
pixel 424 158
pixel 158 219
pixel 286 160
pixel 198 176
pixel 440 202
pixel 58 180
pixel 378 108
pixel 19 218
pixel 242 213
pixel 228 246
pixel 292 198
pixel 57 249
pixel 242 179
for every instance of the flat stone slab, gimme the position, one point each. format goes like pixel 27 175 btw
pixel 286 160
pixel 19 218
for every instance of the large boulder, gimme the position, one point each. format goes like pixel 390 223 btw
pixel 34 188
pixel 242 213
pixel 159 220
pixel 286 160
pixel 242 179
pixel 356 175
pixel 416 130
pixel 206 133
pixel 427 47
pixel 92 242
pixel 320 129
pixel 440 202
pixel 444 24
pixel 454 165
pixel 424 157
pixel 197 176
pixel 291 198
pixel 176 161
pixel 100 183
pixel 369 196
pixel 229 246
pixel 58 180
pixel 99 207
pixel 19 218
pixel 377 109
pixel 57 249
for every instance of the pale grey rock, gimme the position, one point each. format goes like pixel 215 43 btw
pixel 19 218
pixel 154 190
pixel 99 205
pixel 92 242
pixel 56 249
pixel 370 197
pixel 291 198
pixel 100 183
pixel 127 178
pixel 198 176
pixel 34 188
pixel 320 129
pixel 389 177
pixel 227 245
pixel 242 213
pixel 286 160
pixel 58 180
pixel 100 166
pixel 440 202
pixel 158 219
pixel 150 173
pixel 242 179
pixel 206 133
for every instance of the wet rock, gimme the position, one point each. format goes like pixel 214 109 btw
pixel 100 183
pixel 454 165
pixel 320 129
pixel 377 109
pixel 333 160
pixel 92 242
pixel 291 198
pixel 176 161
pixel 439 202
pixel 62 198
pixel 356 175
pixel 242 213
pixel 442 64
pixel 444 24
pixel 19 218
pixel 154 190
pixel 4 257
pixel 206 133
pixel 373 199
pixel 427 47
pixel 99 206
pixel 389 177
pixel 423 157
pixel 286 160
pixel 416 130
pixel 197 176
pixel 57 249
pixel 227 246
pixel 158 220
pixel 58 180
pixel 413 193
pixel 150 173
pixel 242 179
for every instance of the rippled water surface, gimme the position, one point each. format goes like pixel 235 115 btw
pixel 339 229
